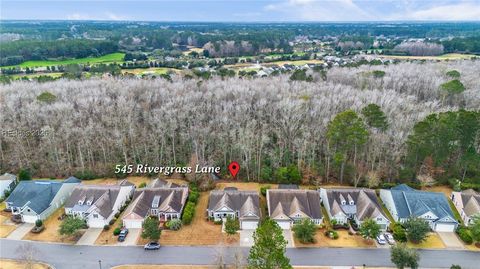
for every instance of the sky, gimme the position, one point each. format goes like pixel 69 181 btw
pixel 242 10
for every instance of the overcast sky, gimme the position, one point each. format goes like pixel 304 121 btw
pixel 242 10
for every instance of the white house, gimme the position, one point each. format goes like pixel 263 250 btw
pixel 37 199
pixel 98 204
pixel 467 203
pixel 7 183
pixel 404 202
pixel 355 204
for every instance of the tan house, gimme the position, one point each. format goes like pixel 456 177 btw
pixel 467 203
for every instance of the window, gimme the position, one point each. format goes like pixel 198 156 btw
pixel 28 210
pixel 95 216
pixel 343 202
pixel 379 219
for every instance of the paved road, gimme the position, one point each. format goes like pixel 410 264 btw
pixel 73 257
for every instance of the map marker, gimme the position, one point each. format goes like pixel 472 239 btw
pixel 234 167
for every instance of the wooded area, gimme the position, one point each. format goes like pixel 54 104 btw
pixel 277 129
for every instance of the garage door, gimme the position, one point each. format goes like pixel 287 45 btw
pixel 285 225
pixel 96 223
pixel 249 225
pixel 132 224
pixel 444 227
pixel 29 219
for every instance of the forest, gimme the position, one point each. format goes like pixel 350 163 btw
pixel 410 122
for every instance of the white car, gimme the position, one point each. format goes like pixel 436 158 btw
pixel 381 239
pixel 389 238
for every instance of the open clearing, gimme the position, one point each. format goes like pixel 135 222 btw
pixel 448 56
pixel 13 264
pixel 108 58
pixel 149 71
pixel 50 233
pixel 135 266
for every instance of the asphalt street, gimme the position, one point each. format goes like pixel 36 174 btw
pixel 73 256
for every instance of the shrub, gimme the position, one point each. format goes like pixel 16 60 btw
pixel 417 229
pixel 47 97
pixel 263 190
pixel 117 215
pixel 218 222
pixel 399 233
pixel 142 185
pixel 465 234
pixel 24 174
pixel 112 221
pixel 193 196
pixel 106 227
pixel 174 224
pixel 188 213
pixel 455 266
pixel 116 231
pixel 332 234
pixel 232 225
pixel 39 223
pixel 305 231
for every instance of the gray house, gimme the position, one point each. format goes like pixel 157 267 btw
pixel 404 202
pixel 467 203
pixel 288 206
pixel 98 204
pixel 7 183
pixel 33 200
pixel 355 204
pixel 241 205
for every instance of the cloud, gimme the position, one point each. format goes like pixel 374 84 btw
pixel 461 11
pixel 105 16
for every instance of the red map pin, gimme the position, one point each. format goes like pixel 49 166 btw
pixel 234 167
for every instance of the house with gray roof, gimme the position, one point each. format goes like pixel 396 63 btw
pixel 7 183
pixel 467 203
pixel 160 183
pixel 38 199
pixel 98 204
pixel 164 203
pixel 357 204
pixel 404 202
pixel 289 206
pixel 241 205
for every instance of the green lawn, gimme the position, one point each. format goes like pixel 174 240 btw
pixel 109 58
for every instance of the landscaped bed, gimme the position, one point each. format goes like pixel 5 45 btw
pixel 344 240
pixel 50 233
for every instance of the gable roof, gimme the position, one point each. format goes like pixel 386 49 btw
pixel 471 202
pixel 366 204
pixel 160 183
pixel 289 202
pixel 247 203
pixel 169 200
pixel 101 196
pixel 8 176
pixel 37 194
pixel 413 203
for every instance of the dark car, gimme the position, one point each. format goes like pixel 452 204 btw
pixel 152 246
pixel 122 235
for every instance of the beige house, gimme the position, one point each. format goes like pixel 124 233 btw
pixel 467 203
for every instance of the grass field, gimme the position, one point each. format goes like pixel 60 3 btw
pixel 433 241
pixel 449 56
pixel 13 264
pixel 109 58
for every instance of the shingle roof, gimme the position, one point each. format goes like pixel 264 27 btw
pixel 160 183
pixel 38 194
pixel 245 202
pixel 101 196
pixel 471 202
pixel 8 176
pixel 366 204
pixel 171 200
pixel 410 202
pixel 288 202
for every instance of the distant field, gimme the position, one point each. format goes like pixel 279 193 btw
pixel 251 66
pixel 152 70
pixel 53 75
pixel 449 56
pixel 109 58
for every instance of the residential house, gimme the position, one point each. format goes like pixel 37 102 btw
pixel 7 183
pixel 37 199
pixel 160 183
pixel 467 203
pixel 288 206
pixel 98 204
pixel 241 205
pixel 353 204
pixel 164 203
pixel 404 202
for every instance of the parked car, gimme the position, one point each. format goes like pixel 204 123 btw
pixel 381 239
pixel 389 238
pixel 152 246
pixel 122 235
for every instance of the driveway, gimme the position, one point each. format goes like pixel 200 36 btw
pixel 89 237
pixel 21 231
pixel 131 239
pixel 451 240
pixel 288 235
pixel 246 238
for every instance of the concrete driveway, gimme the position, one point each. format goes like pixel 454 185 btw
pixel 21 231
pixel 89 237
pixel 131 239
pixel 451 240
pixel 246 238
